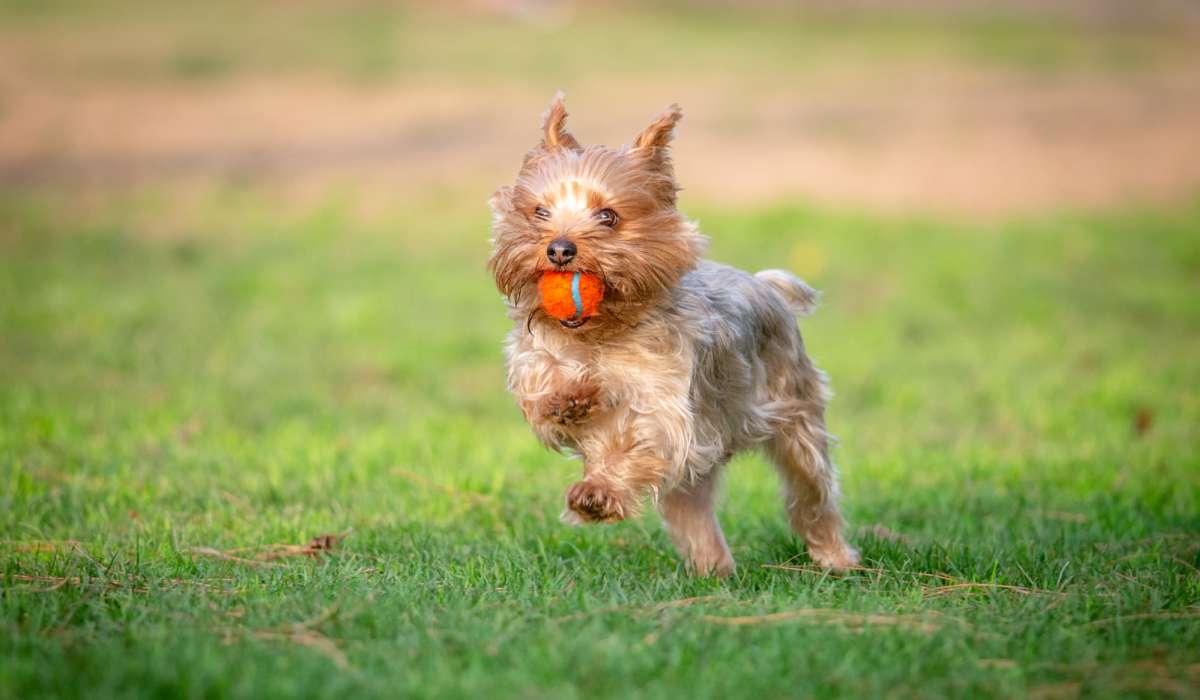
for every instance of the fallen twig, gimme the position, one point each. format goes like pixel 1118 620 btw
pixel 57 582
pixel 321 544
pixel 965 586
pixel 218 554
pixel 828 616
pixel 656 607
pixel 313 640
pixel 307 633
pixel 1065 516
pixel 1156 539
pixel 997 663
pixel 40 545
pixel 1164 615
pixel 863 569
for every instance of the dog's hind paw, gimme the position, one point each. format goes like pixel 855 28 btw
pixel 836 558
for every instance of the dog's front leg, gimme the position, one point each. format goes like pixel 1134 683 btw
pixel 620 467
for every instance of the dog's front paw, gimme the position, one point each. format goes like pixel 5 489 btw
pixel 593 502
pixel 572 407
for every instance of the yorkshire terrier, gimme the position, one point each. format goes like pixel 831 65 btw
pixel 686 363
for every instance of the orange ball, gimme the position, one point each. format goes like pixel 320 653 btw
pixel 570 296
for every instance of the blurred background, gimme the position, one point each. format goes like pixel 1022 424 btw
pixel 975 107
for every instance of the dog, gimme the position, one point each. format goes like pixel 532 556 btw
pixel 687 362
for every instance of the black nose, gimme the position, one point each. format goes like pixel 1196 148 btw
pixel 560 251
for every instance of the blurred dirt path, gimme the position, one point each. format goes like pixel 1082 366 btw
pixel 911 137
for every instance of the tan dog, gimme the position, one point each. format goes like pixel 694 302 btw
pixel 686 363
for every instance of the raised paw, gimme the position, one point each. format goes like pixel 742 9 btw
pixel 594 502
pixel 570 408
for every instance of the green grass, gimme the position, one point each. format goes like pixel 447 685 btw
pixel 257 378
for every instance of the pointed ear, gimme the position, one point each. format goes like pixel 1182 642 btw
pixel 501 201
pixel 660 131
pixel 554 126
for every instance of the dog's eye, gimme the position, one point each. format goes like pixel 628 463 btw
pixel 607 217
pixel 542 213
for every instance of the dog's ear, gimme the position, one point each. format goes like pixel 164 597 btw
pixel 651 149
pixel 501 201
pixel 660 131
pixel 554 126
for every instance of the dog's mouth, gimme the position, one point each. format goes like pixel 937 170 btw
pixel 573 323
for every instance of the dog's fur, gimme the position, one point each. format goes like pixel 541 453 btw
pixel 686 363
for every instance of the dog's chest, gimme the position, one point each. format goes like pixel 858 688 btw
pixel 629 370
pixel 607 363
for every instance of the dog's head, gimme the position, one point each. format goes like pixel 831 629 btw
pixel 607 211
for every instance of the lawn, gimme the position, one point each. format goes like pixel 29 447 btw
pixel 1016 403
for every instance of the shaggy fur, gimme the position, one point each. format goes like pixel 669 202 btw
pixel 687 362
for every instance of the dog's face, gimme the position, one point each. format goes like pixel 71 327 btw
pixel 606 211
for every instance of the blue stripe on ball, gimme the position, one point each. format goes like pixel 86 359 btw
pixel 576 296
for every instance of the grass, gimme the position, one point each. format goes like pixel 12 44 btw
pixel 1017 405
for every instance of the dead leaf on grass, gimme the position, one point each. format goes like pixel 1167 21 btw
pixel 1143 421
pixel 321 544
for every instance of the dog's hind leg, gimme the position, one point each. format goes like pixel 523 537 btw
pixel 688 512
pixel 800 451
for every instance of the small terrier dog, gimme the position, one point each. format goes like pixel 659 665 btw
pixel 686 363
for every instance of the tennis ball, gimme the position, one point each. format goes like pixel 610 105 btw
pixel 570 296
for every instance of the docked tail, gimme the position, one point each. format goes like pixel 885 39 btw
pixel 799 296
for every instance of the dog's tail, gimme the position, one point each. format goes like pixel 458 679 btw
pixel 800 297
